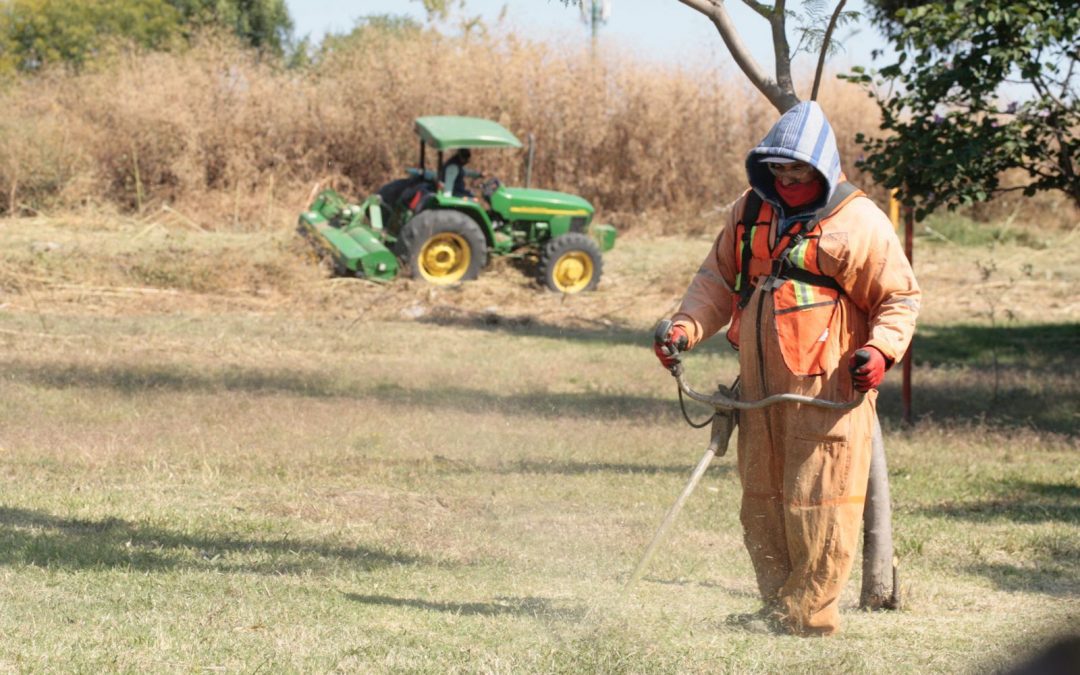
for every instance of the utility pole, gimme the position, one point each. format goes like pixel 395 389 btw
pixel 595 13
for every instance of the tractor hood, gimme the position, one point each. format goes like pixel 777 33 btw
pixel 517 203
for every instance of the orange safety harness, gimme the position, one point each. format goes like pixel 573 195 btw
pixel 804 299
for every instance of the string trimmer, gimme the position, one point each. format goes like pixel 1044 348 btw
pixel 726 405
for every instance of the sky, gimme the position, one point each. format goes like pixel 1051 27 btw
pixel 664 31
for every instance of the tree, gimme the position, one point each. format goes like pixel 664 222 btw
pixel 265 24
pixel 34 33
pixel 814 31
pixel 982 99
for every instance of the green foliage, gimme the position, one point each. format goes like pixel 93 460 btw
pixel 951 134
pixel 885 14
pixel 265 24
pixel 35 33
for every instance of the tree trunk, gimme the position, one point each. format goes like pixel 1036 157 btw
pixel 783 98
pixel 878 590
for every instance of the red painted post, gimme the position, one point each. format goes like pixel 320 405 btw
pixel 909 244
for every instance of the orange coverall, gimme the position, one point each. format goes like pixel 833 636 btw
pixel 803 469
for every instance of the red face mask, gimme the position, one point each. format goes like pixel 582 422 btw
pixel 799 194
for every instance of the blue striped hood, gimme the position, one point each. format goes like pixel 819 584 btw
pixel 802 133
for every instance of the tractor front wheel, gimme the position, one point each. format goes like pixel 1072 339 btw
pixel 571 263
pixel 443 247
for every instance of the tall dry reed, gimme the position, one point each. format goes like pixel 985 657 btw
pixel 233 141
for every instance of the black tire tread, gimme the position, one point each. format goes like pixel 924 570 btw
pixel 427 223
pixel 563 244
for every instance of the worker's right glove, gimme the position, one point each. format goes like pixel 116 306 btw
pixel 667 347
pixel 868 366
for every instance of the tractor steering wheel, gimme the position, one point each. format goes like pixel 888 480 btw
pixel 489 186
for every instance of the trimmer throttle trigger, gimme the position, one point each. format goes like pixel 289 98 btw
pixel 663 335
pixel 862 357
pixel 663 329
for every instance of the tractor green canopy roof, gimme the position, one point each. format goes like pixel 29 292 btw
pixel 445 132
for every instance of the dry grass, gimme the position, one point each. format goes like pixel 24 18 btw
pixel 233 142
pixel 298 491
pixel 218 459
pixel 163 260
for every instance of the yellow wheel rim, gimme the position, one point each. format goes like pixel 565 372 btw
pixel 444 258
pixel 573 271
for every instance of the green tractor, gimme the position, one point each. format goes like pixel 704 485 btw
pixel 427 225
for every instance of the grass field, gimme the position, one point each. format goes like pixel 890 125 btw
pixel 215 459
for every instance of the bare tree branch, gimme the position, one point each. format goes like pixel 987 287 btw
pixel 781 49
pixel 781 98
pixel 1014 188
pixel 825 48
pixel 1067 82
pixel 764 10
pixel 1042 88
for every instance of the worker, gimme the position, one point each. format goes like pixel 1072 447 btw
pixel 454 173
pixel 806 271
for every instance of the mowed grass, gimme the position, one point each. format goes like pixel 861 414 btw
pixel 307 479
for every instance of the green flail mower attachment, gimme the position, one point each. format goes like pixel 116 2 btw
pixel 351 234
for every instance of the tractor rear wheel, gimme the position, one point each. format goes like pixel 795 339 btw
pixel 442 247
pixel 571 263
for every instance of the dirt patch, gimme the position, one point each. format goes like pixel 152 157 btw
pixel 131 267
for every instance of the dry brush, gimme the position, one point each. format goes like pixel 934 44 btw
pixel 237 142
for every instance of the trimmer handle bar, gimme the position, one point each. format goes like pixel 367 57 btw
pixel 722 402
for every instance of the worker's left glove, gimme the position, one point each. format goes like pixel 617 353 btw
pixel 668 348
pixel 868 371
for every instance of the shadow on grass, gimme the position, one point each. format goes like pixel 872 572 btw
pixel 134 380
pixel 968 397
pixel 587 468
pixel 728 589
pixel 1056 567
pixel 1060 655
pixel 944 401
pixel 29 537
pixel 955 404
pixel 596 331
pixel 529 607
pixel 1038 347
pixel 589 331
pixel 1006 377
pixel 1018 501
pixel 1055 575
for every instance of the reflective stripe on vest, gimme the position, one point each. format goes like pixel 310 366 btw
pixel 803 255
